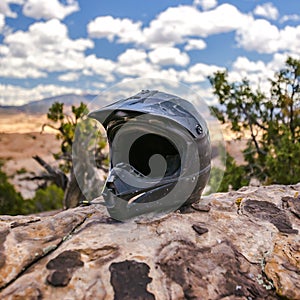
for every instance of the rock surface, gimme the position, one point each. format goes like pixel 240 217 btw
pixel 238 245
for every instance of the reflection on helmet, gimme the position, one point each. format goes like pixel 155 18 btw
pixel 159 154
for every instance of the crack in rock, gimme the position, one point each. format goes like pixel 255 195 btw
pixel 35 257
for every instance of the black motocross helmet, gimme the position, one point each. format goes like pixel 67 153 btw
pixel 160 154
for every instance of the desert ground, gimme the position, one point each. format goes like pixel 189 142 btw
pixel 17 150
pixel 21 138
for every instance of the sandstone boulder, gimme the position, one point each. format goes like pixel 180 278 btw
pixel 236 245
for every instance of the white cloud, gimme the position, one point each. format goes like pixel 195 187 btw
pixel 40 9
pixel 198 72
pixel 2 22
pixel 260 36
pixel 177 23
pixel 169 56
pixel 71 76
pixel 278 61
pixel 171 27
pixel 100 66
pixel 290 40
pixel 206 4
pixel 45 9
pixel 5 9
pixel 162 82
pixel 99 85
pixel 287 18
pixel 4 50
pixel 154 69
pixel 186 24
pixel 263 37
pixel 16 68
pixel 141 69
pixel 152 74
pixel 267 10
pixel 48 36
pixel 17 95
pixel 45 47
pixel 108 27
pixel 257 72
pixel 194 44
pixel 242 63
pixel 166 74
pixel 132 56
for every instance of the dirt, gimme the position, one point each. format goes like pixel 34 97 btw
pixel 20 140
pixel 22 123
pixel 17 150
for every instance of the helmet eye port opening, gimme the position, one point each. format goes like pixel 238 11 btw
pixel 149 145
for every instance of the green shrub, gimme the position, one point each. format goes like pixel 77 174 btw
pixel 233 177
pixel 272 154
pixel 50 198
pixel 11 202
pixel 21 171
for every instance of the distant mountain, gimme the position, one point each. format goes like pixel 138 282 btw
pixel 42 106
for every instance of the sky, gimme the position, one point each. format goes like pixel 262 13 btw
pixel 54 47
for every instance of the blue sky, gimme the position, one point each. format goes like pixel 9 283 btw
pixel 53 47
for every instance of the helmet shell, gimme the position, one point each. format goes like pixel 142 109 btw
pixel 138 128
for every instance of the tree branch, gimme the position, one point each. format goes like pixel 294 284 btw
pixel 48 125
pixel 59 178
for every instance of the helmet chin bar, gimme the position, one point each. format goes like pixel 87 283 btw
pixel 124 201
pixel 121 189
pixel 133 194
